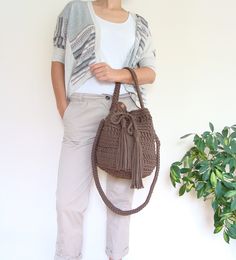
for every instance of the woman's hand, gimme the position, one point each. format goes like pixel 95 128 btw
pixel 62 108
pixel 58 82
pixel 102 71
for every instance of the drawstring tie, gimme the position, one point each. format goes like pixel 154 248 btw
pixel 129 157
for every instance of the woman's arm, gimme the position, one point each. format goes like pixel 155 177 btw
pixel 102 71
pixel 58 59
pixel 57 77
pixel 145 75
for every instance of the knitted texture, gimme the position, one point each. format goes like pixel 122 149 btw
pixel 126 146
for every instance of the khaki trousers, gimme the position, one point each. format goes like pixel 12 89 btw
pixel 81 119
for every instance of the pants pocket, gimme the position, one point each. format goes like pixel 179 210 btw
pixel 66 110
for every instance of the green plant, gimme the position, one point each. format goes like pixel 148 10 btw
pixel 209 168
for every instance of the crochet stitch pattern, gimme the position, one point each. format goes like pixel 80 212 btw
pixel 126 146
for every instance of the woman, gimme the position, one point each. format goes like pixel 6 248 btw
pixel 92 42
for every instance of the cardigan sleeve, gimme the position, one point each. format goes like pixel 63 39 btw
pixel 60 36
pixel 148 57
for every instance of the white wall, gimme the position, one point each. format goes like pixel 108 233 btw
pixel 195 84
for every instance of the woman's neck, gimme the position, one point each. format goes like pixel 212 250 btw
pixel 109 4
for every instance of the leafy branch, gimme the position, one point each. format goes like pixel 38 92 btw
pixel 209 168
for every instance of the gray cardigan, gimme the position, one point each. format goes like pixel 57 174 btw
pixel 76 44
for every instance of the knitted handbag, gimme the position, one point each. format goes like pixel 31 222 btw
pixel 126 146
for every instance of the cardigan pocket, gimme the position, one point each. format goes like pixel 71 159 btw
pixel 83 50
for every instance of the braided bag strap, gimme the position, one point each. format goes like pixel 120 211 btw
pixel 136 85
pixel 99 187
pixel 116 93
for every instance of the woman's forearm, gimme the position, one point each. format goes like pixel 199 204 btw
pixel 145 75
pixel 57 76
pixel 103 71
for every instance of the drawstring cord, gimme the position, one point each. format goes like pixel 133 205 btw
pixel 129 157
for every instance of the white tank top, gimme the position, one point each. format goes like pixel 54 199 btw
pixel 116 41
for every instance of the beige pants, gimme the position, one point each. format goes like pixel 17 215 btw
pixel 81 119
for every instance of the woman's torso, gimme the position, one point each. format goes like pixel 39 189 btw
pixel 115 43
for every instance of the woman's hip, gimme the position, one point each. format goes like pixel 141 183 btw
pixel 85 111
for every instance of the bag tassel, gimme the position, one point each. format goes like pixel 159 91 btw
pixel 123 158
pixel 137 164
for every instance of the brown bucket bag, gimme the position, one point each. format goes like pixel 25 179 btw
pixel 126 146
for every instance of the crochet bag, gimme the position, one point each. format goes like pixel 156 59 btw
pixel 126 146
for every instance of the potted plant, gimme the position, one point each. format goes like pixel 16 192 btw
pixel 209 168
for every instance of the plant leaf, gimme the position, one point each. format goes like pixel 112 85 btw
pixel 211 127
pixel 184 136
pixel 226 237
pixel 218 190
pixel 214 204
pixel 225 131
pixel 182 189
pixel 233 135
pixel 200 185
pixel 219 174
pixel 206 175
pixel 233 205
pixel 213 179
pixel 233 146
pixel 185 170
pixel 230 185
pixel 174 174
pixel 231 231
pixel 230 193
pixel 218 229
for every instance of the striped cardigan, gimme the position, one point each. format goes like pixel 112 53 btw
pixel 76 44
